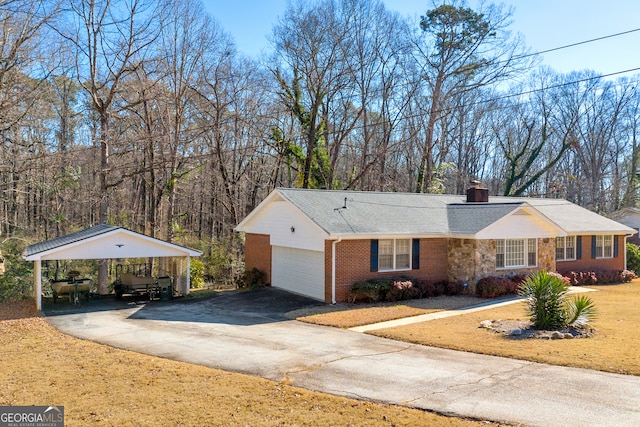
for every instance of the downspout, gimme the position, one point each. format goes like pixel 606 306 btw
pixel 626 236
pixel 333 269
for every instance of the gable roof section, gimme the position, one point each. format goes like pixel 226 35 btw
pixel 363 213
pixel 575 219
pixel 68 239
pixel 625 213
pixel 104 241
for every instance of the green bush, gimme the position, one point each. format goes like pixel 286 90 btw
pixel 547 305
pixel 633 258
pixel 372 290
pixel 401 288
pixel 196 273
pixel 17 281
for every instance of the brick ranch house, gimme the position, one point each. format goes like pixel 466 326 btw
pixel 318 243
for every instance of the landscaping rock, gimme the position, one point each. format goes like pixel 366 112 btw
pixel 523 329
pixel 555 335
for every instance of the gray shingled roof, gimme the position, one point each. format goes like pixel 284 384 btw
pixel 424 214
pixel 69 238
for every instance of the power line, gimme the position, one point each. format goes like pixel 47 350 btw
pixel 556 86
pixel 578 43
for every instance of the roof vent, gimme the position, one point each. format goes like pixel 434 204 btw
pixel 477 193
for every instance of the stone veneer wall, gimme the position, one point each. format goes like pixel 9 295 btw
pixel 470 260
pixel 462 260
pixel 547 254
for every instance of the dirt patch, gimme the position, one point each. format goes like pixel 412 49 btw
pixel 523 329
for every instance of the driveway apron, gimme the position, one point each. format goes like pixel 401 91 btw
pixel 248 333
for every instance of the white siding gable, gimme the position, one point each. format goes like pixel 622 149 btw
pixel 522 223
pixel 117 244
pixel 287 225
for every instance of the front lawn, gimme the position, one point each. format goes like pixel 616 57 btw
pixel 101 385
pixel 615 346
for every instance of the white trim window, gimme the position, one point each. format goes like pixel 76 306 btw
pixel 394 254
pixel 516 253
pixel 566 248
pixel 604 246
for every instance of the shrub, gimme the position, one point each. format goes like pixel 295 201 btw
pixel 372 290
pixel 626 276
pixel 425 286
pixel 633 257
pixel 196 273
pixel 453 288
pixel 602 277
pixel 565 280
pixel 545 296
pixel 16 283
pixel 253 278
pixel 402 289
pixel 493 286
pixel 431 289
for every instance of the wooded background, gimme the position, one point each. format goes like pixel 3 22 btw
pixel 143 114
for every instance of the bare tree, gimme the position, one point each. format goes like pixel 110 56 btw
pixel 109 39
pixel 310 69
pixel 461 50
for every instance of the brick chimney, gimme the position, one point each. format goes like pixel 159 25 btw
pixel 477 193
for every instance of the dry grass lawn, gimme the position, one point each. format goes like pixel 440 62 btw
pixel 615 347
pixel 351 315
pixel 101 385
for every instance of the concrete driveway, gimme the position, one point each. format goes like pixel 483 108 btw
pixel 247 332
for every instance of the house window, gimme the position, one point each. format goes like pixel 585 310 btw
pixel 604 246
pixel 516 253
pixel 394 254
pixel 565 248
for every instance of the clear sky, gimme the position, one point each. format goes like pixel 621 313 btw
pixel 545 24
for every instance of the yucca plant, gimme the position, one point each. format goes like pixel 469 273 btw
pixel 580 311
pixel 544 294
pixel 547 305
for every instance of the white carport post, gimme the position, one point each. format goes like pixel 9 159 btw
pixel 188 274
pixel 37 280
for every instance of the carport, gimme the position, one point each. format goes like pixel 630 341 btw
pixel 105 242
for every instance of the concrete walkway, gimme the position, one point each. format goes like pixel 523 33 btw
pixel 451 313
pixel 240 336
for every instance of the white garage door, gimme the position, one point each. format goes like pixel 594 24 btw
pixel 297 270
